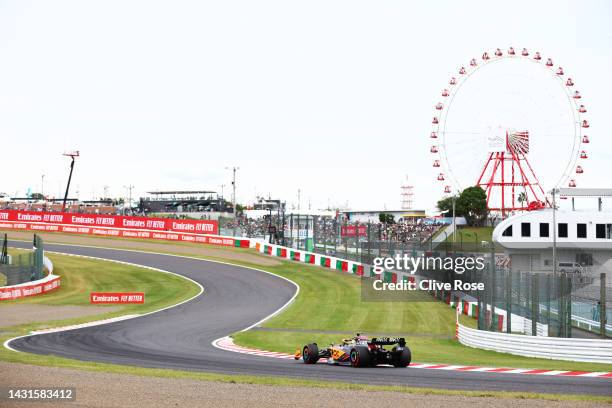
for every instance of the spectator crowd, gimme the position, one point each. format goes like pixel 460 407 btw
pixel 331 229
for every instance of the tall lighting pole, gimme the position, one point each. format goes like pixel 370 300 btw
pixel 72 155
pixel 454 222
pixel 233 169
pixel 129 189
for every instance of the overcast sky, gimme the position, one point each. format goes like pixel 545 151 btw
pixel 333 97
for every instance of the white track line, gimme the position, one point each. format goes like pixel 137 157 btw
pixel 115 319
pixel 107 321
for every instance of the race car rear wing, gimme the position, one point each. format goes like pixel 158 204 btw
pixel 387 341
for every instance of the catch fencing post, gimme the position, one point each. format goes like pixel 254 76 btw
pixel 509 301
pixel 346 240
pixel 314 234
pixel 602 305
pixel 535 304
pixel 369 243
pixel 493 285
pixel 481 295
pixel 548 290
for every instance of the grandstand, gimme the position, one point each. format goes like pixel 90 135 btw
pixel 183 202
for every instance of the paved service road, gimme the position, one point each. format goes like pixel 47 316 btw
pixel 235 298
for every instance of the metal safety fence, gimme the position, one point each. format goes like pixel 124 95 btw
pixel 23 267
pixel 330 235
pixel 532 303
pixel 513 301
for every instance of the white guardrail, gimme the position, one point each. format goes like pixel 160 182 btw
pixel 587 350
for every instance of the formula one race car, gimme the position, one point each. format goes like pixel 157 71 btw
pixel 359 352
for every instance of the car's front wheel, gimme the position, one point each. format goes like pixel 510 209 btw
pixel 310 353
pixel 360 356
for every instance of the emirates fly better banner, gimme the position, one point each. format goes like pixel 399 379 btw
pixel 112 221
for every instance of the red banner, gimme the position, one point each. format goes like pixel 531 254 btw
pixel 110 232
pixel 113 221
pixel 116 297
pixel 25 290
pixel 353 231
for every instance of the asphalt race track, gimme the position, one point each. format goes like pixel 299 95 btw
pixel 235 298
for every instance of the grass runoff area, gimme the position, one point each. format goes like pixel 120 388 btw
pixel 327 309
pixel 329 304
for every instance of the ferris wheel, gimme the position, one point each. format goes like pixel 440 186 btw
pixel 513 123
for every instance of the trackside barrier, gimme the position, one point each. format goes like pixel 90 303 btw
pixel 312 258
pixel 38 287
pixel 558 348
pixel 128 233
pixel 112 221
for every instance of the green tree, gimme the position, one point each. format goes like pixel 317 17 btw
pixel 472 204
pixel 386 218
pixel 445 206
pixel 522 198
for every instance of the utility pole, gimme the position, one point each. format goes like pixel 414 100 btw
pixel 72 155
pixel 129 188
pixel 454 222
pixel 233 169
pixel 299 199
pixel 42 186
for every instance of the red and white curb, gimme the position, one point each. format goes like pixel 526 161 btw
pixel 227 343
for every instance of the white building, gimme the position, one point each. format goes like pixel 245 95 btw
pixel 583 238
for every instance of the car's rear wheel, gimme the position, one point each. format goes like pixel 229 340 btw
pixel 401 357
pixel 310 353
pixel 360 356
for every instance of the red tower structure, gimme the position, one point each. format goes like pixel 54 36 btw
pixel 508 176
pixel 407 195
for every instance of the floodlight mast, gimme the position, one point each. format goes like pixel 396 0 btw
pixel 72 155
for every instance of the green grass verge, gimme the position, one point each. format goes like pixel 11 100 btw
pixel 471 235
pixel 80 276
pixel 330 301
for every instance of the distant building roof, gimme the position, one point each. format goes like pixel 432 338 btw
pixel 179 192
pixel 585 192
pixel 382 211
